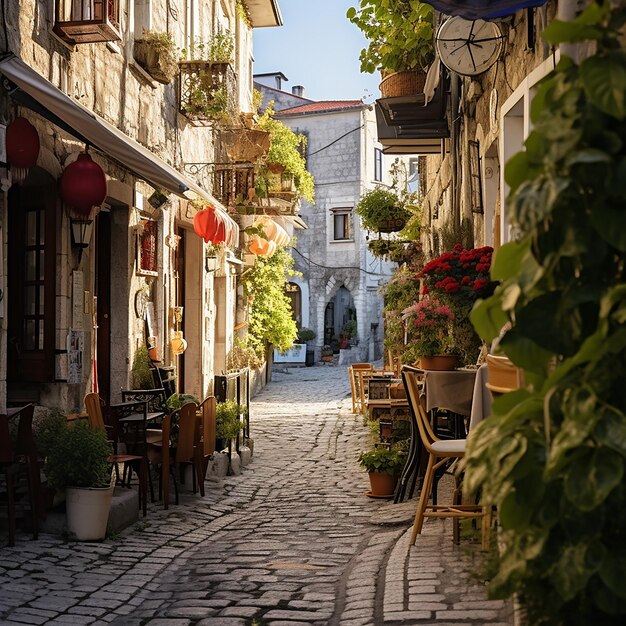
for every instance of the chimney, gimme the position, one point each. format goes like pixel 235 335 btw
pixel 298 90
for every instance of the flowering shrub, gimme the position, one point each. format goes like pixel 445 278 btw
pixel 461 273
pixel 429 326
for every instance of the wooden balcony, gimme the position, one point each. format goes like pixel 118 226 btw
pixel 232 184
pixel 89 21
pixel 207 91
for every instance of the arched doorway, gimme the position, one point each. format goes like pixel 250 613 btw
pixel 339 311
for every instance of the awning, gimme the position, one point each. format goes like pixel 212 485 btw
pixel 33 91
pixel 483 9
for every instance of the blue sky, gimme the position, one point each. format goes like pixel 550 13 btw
pixel 318 48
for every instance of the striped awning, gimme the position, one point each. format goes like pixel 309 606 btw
pixel 483 9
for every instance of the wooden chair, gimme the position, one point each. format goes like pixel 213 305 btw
pixel 172 457
pixel 439 452
pixel 136 460
pixel 356 373
pixel 205 446
pixel 13 460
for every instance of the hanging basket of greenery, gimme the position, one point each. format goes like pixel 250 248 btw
pixel 381 210
pixel 157 54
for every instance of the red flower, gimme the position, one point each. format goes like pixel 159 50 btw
pixel 466 280
pixel 480 283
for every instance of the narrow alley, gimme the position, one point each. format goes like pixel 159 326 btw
pixel 292 540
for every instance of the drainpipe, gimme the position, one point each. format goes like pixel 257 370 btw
pixel 455 147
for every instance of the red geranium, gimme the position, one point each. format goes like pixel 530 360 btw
pixel 460 273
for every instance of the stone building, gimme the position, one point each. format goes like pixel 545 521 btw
pixel 482 120
pixel 340 278
pixel 72 317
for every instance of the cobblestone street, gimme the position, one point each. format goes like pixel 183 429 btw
pixel 292 540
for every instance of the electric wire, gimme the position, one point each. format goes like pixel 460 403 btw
pixel 328 267
pixel 336 140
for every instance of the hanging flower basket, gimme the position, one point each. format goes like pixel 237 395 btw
pixel 405 83
pixel 243 145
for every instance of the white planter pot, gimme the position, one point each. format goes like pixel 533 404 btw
pixel 88 512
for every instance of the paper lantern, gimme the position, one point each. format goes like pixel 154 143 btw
pixel 83 185
pixel 220 233
pixel 269 249
pixel 22 146
pixel 179 343
pixel 22 143
pixel 205 223
pixel 255 246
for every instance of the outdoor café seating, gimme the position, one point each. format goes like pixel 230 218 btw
pixel 440 453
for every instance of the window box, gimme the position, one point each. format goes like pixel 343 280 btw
pixel 207 91
pixel 90 21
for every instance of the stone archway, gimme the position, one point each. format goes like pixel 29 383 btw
pixel 340 309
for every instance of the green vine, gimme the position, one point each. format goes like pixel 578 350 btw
pixel 270 320
pixel 286 148
pixel 557 470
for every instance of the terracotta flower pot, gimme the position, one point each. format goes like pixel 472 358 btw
pixel 382 484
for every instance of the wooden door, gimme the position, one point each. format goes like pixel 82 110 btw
pixel 32 279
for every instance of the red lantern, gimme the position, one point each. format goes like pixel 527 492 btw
pixel 220 233
pixel 83 185
pixel 205 223
pixel 255 246
pixel 22 142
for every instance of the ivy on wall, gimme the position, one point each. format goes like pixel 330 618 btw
pixel 552 456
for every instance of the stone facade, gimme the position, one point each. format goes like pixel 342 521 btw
pixel 494 113
pixel 105 78
pixel 337 272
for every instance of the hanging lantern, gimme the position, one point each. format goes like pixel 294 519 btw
pixel 220 233
pixel 233 239
pixel 271 248
pixel 83 185
pixel 205 223
pixel 22 146
pixel 255 246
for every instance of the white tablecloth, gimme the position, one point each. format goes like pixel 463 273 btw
pixel 481 398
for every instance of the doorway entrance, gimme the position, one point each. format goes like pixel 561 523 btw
pixel 339 311
pixel 31 285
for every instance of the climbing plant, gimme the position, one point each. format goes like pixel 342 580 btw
pixel 557 469
pixel 270 318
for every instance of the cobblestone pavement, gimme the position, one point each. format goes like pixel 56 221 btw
pixel 291 541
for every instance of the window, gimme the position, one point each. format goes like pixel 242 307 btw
pixel 89 21
pixel 342 224
pixel 476 193
pixel 147 249
pixel 378 164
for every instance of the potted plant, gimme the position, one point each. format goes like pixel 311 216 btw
pixel 285 160
pixel 400 35
pixel 327 353
pixel 458 278
pixel 207 80
pixel 429 330
pixel 384 464
pixel 349 330
pixel 156 52
pixel 78 463
pixel 140 373
pixel 228 422
pixel 382 210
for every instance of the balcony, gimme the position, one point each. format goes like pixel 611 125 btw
pixel 207 91
pixel 89 21
pixel 232 185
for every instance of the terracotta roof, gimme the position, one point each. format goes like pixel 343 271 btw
pixel 324 105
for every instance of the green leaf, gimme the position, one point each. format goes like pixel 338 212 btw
pixel 351 13
pixel 525 353
pixel 577 563
pixel 488 317
pixel 610 223
pixel 613 571
pixel 514 514
pixel 580 29
pixel 519 169
pixel 604 79
pixel 592 477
